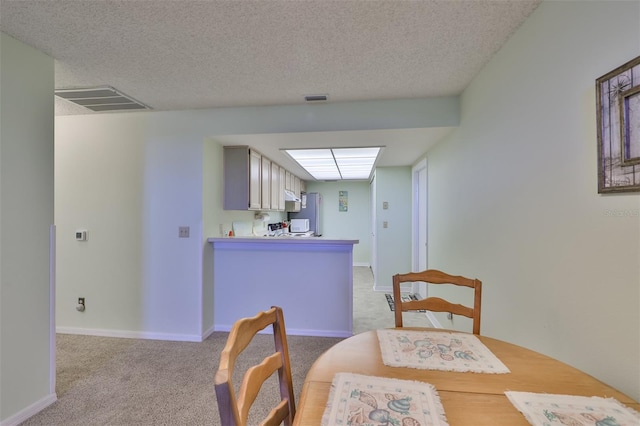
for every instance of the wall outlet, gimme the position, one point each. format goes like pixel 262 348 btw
pixel 385 205
pixel 80 300
pixel 183 232
pixel 81 235
pixel 385 224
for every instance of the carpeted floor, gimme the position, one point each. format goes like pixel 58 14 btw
pixel 114 381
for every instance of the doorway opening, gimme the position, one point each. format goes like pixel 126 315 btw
pixel 419 219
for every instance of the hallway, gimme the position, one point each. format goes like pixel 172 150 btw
pixel 370 308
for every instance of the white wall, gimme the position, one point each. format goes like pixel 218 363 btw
pixel 131 179
pixel 26 197
pixel 355 223
pixel 393 185
pixel 513 195
pixel 213 216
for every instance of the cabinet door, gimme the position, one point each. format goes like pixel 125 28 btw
pixel 266 183
pixel 296 186
pixel 275 186
pixel 255 199
pixel 303 186
pixel 281 203
pixel 287 180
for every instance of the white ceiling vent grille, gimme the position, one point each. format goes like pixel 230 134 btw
pixel 101 99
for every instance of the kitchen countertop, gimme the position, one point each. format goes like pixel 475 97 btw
pixel 282 239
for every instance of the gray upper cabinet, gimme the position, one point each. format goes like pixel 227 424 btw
pixel 242 180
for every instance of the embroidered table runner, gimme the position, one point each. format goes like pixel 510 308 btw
pixel 437 350
pixel 356 399
pixel 547 410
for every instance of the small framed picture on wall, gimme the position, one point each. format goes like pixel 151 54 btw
pixel 343 201
pixel 618 116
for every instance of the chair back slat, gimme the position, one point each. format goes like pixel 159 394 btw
pixel 436 304
pixel 234 409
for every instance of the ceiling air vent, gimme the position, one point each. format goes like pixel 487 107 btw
pixel 316 98
pixel 101 99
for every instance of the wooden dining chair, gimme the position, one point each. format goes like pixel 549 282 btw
pixel 234 410
pixel 436 304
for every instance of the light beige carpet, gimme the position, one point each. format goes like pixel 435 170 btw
pixel 114 381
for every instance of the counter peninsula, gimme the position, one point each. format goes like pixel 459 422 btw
pixel 311 278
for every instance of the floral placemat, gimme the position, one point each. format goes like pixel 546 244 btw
pixel 437 350
pixel 547 410
pixel 356 399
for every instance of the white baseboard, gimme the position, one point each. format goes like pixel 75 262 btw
pixel 361 264
pixel 30 411
pixel 208 333
pixel 130 334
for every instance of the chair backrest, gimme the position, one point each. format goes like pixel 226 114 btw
pixel 234 410
pixel 436 304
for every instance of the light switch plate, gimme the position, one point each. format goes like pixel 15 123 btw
pixel 183 232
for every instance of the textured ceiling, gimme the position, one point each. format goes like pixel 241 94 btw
pixel 188 54
pixel 174 55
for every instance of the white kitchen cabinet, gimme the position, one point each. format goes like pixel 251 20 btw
pixel 296 186
pixel 294 206
pixel 275 186
pixel 287 181
pixel 266 183
pixel 281 202
pixel 242 178
pixel 255 192
pixel 254 182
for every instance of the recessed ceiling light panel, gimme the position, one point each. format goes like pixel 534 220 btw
pixel 337 163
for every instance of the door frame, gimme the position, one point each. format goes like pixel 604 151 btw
pixel 374 242
pixel 419 210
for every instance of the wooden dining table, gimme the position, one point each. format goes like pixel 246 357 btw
pixel 473 399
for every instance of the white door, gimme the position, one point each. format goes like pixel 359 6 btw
pixel 420 223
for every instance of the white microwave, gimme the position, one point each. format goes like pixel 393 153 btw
pixel 299 225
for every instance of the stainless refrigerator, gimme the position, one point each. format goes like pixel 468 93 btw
pixel 310 209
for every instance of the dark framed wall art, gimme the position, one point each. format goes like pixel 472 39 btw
pixel 618 109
